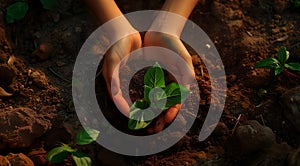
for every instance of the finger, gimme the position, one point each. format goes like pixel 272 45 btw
pixel 171 113
pixel 121 103
pixel 164 119
pixel 158 126
pixel 111 76
pixel 112 80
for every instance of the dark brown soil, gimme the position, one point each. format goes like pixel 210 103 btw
pixel 37 55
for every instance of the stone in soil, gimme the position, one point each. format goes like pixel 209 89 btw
pixel 252 136
pixel 44 51
pixel 276 155
pixel 290 101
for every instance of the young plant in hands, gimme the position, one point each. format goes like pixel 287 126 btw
pixel 157 97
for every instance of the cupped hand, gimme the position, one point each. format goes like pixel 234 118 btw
pixel 111 64
pixel 184 72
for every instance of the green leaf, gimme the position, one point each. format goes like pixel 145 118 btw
pixel 142 104
pixel 16 11
pixel 81 159
pixel 268 63
pixel 261 92
pixel 154 77
pixel 158 98
pixel 278 70
pixel 137 115
pixel 176 94
pixel 283 55
pixel 147 90
pixel 86 136
pixel 293 66
pixel 58 154
pixel 49 4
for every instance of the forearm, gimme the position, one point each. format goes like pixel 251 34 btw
pixel 173 20
pixel 108 11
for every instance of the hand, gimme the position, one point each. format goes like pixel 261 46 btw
pixel 112 60
pixel 185 74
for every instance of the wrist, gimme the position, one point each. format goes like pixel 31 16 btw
pixel 117 29
pixel 169 23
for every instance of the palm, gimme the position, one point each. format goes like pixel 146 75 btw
pixel 185 74
pixel 112 59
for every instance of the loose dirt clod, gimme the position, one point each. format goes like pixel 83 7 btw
pixel 15 159
pixel 21 126
pixel 19 159
pixel 39 79
pixel 44 51
pixel 4 161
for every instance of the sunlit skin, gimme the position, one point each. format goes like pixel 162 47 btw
pixel 106 10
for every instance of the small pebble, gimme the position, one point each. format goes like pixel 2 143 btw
pixel 78 29
pixel 275 30
pixel 277 17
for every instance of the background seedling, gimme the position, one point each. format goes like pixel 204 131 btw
pixel 279 64
pixel 157 96
pixel 296 3
pixel 18 10
pixel 84 137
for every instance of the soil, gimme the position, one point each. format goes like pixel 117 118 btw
pixel 36 62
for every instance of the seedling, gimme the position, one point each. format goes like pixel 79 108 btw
pixel 279 64
pixel 18 10
pixel 261 93
pixel 296 3
pixel 157 97
pixel 84 137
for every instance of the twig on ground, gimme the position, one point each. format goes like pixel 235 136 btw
pixel 237 122
pixel 262 119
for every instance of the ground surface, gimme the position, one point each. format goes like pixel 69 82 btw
pixel 38 53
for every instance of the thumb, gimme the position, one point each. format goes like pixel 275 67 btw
pixel 111 76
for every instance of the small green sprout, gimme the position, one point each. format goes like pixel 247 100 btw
pixel 157 96
pixel 84 137
pixel 262 92
pixel 296 3
pixel 279 64
pixel 18 10
pixel 49 4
